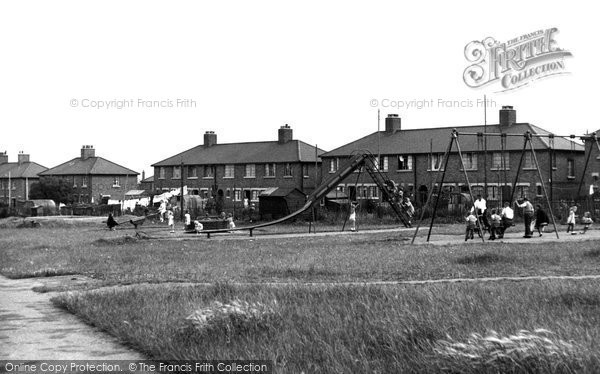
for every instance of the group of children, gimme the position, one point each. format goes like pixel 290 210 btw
pixel 586 220
pixel 498 223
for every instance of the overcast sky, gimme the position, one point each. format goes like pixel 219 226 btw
pixel 251 67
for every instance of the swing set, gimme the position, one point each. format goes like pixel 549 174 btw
pixel 527 141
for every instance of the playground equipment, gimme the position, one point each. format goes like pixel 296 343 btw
pixel 528 136
pixel 361 158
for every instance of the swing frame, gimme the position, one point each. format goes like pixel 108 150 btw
pixel 454 139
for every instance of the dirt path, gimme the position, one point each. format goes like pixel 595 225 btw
pixel 31 328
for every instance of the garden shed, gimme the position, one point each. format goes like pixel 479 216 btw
pixel 277 202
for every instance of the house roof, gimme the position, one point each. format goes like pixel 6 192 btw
pixel 244 153
pixel 150 179
pixel 22 170
pixel 89 166
pixel 436 140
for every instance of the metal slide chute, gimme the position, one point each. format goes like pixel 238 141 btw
pixel 363 158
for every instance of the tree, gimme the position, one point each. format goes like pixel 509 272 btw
pixel 52 188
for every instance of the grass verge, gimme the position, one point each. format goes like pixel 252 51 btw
pixel 324 329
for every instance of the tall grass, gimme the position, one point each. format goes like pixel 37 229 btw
pixel 363 329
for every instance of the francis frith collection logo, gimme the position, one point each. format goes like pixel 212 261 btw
pixel 514 63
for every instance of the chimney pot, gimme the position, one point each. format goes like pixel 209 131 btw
pixel 87 151
pixel 3 157
pixel 22 157
pixel 210 138
pixel 393 123
pixel 285 134
pixel 508 116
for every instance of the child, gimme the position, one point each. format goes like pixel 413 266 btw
pixel 471 226
pixel 352 217
pixel 198 226
pixel 171 220
pixel 571 220
pixel 541 219
pixel 496 225
pixel 587 221
pixel 230 222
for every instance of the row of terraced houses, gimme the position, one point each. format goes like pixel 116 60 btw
pixel 412 158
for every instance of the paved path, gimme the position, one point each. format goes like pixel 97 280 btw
pixel 31 328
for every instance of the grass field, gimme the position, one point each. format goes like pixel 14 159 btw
pixel 345 329
pixel 109 257
pixel 464 327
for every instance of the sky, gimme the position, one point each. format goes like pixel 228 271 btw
pixel 166 72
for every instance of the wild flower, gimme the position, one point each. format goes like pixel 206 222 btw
pixel 523 351
pixel 238 315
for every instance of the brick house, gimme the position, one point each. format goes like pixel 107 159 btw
pixel 237 171
pixel 592 173
pixel 413 157
pixel 94 178
pixel 16 178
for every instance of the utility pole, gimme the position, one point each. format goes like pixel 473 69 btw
pixel 485 146
pixel 9 189
pixel 181 191
pixel 378 139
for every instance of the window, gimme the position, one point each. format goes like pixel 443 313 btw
pixel 493 193
pixel 528 161
pixel 405 162
pixel 435 161
pixel 250 171
pixel 571 169
pixel 254 196
pixel 74 182
pixel 334 164
pixel 522 191
pixel 192 172
pixel 228 194
pixel 383 161
pixel 229 171
pixel 305 171
pixel 176 172
pixel 161 172
pixel 116 182
pixel 373 192
pixel 476 190
pixel 269 170
pixel 287 170
pixel 84 181
pixel 209 171
pixel 14 185
pixel 538 190
pixel 470 161
pixel 498 163
pixel 237 195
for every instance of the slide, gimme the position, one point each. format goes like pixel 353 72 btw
pixel 362 158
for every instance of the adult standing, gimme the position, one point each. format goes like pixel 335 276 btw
pixel 480 207
pixel 527 215
pixel 507 215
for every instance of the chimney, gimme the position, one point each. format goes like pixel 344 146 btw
pixel 392 123
pixel 3 157
pixel 508 116
pixel 87 151
pixel 22 158
pixel 210 138
pixel 143 174
pixel 285 134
